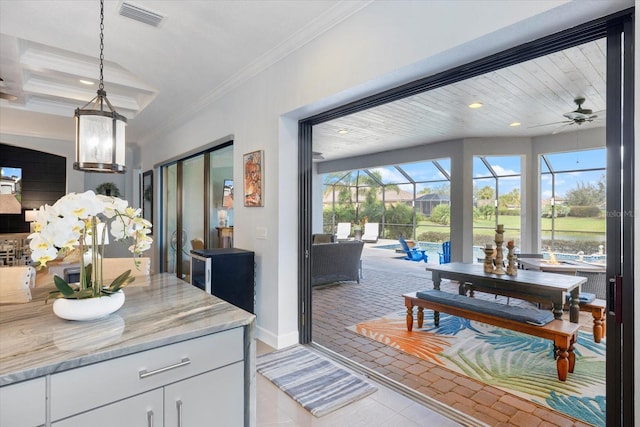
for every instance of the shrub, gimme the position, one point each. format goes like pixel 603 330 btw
pixel 584 211
pixel 509 212
pixel 398 220
pixel 434 236
pixel 441 214
pixel 573 246
pixel 561 210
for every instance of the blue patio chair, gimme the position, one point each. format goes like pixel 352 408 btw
pixel 445 256
pixel 413 254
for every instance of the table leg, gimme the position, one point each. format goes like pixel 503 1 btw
pixel 574 308
pixel 435 277
pixel 557 309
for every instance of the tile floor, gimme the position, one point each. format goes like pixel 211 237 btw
pixel 379 292
pixel 384 408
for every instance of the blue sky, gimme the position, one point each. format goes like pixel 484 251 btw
pixel 7 172
pixel 570 168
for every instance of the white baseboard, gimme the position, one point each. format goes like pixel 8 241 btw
pixel 276 341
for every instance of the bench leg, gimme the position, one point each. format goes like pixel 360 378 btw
pixel 420 317
pixel 566 358
pixel 599 323
pixel 409 305
pixel 572 354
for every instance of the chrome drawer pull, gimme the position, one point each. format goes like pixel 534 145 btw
pixel 144 374
pixel 150 418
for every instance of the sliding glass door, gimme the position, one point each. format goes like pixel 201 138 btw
pixel 194 190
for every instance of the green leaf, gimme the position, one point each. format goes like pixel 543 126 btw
pixel 120 282
pixel 63 286
pixel 53 295
pixel 82 294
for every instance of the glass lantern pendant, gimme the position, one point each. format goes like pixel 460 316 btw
pixel 100 130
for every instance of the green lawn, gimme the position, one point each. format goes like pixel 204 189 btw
pixel 572 225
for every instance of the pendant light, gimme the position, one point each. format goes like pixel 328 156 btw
pixel 100 141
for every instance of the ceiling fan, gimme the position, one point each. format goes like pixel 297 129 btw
pixel 579 116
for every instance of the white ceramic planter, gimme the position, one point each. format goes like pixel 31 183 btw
pixel 88 308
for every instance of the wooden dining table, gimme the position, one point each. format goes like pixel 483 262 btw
pixel 530 285
pixel 568 266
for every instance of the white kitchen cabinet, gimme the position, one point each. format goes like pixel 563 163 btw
pixel 23 404
pixel 178 344
pixel 144 410
pixel 215 398
pixel 205 374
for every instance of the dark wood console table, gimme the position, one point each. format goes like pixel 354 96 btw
pixel 225 237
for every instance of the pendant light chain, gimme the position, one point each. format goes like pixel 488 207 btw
pixel 100 130
pixel 101 86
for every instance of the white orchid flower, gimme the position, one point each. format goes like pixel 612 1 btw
pixel 42 256
pixel 81 206
pixel 112 205
pixel 68 222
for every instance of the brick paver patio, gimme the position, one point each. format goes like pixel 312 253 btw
pixel 386 278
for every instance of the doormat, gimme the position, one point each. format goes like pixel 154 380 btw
pixel 316 383
pixel 516 363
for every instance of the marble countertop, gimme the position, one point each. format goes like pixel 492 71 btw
pixel 158 311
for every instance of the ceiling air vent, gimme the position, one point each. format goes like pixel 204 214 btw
pixel 139 14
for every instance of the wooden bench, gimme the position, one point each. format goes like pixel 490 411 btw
pixel 563 334
pixel 597 309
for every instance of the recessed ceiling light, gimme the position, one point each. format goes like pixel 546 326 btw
pixel 343 131
pixel 514 124
pixel 475 105
pixel 86 82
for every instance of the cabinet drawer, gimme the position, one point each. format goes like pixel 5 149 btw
pixel 23 404
pixel 144 410
pixel 105 382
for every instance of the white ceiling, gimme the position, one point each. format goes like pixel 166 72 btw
pixel 155 76
pixel 152 75
pixel 535 94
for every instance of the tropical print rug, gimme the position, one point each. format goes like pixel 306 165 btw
pixel 516 363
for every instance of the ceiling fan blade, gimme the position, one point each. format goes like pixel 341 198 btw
pixel 562 128
pixel 8 96
pixel 548 124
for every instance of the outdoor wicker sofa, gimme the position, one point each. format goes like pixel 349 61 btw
pixel 336 262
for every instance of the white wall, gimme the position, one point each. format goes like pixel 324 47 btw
pixel 382 45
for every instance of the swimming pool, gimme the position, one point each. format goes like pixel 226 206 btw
pixel 432 249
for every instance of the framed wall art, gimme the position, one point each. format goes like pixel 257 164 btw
pixel 147 196
pixel 253 168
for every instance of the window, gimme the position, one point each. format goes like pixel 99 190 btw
pixel 572 205
pixel 411 199
pixel 496 198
